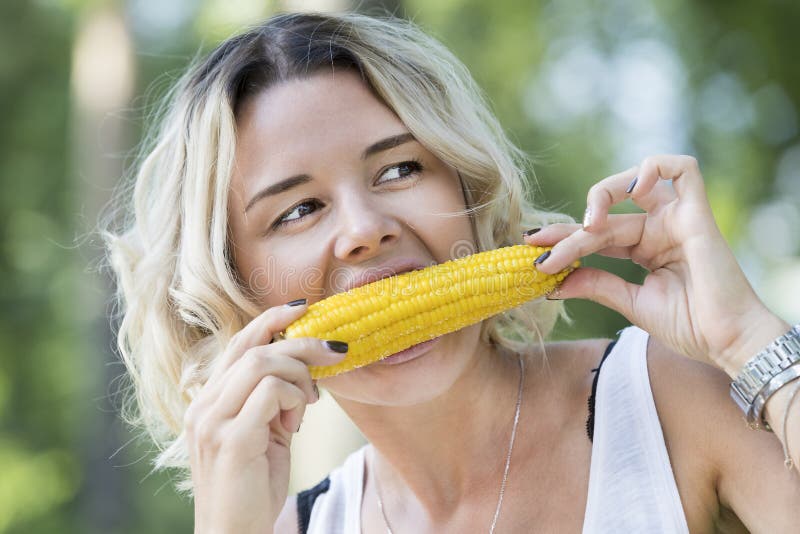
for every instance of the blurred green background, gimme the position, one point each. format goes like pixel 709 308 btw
pixel 587 87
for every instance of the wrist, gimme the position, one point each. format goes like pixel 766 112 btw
pixel 767 372
pixel 756 333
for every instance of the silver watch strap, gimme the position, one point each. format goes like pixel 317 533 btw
pixel 765 373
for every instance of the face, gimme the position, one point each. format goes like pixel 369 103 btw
pixel 329 184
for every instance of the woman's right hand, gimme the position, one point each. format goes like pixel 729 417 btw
pixel 239 427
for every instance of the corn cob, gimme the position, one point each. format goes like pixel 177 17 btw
pixel 397 312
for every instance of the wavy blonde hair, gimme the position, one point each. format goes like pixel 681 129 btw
pixel 179 297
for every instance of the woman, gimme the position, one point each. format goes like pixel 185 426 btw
pixel 303 155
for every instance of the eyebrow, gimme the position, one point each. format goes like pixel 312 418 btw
pixel 386 144
pixel 300 179
pixel 280 187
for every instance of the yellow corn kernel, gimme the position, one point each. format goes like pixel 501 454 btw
pixel 397 312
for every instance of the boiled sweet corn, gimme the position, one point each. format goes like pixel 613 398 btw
pixel 397 312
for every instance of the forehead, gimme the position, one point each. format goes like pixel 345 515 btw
pixel 335 110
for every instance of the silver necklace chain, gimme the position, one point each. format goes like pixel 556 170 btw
pixel 505 470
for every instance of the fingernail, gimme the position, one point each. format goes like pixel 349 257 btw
pixel 531 231
pixel 336 346
pixel 541 258
pixel 587 217
pixel 298 426
pixel 548 297
pixel 316 390
pixel 298 302
pixel 632 185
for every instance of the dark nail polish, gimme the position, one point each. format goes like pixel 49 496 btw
pixel 298 302
pixel 316 391
pixel 531 231
pixel 632 185
pixel 336 346
pixel 541 258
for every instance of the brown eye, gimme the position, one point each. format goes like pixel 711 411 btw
pixel 402 170
pixel 296 213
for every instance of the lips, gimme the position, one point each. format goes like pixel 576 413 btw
pixel 391 268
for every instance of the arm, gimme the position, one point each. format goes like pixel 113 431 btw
pixel 695 298
pixel 708 439
pixel 758 336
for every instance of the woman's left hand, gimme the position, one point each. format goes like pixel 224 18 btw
pixel 695 297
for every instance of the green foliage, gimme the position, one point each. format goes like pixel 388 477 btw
pixel 40 466
pixel 521 53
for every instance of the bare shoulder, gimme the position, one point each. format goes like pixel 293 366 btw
pixel 576 355
pixel 287 520
pixel 685 390
pixel 693 406
pixel 572 363
pixel 727 475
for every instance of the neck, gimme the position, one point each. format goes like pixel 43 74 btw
pixel 452 446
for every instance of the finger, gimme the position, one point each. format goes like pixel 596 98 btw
pixel 275 405
pixel 308 350
pixel 624 230
pixel 287 360
pixel 603 195
pixel 683 171
pixel 602 287
pixel 661 194
pixel 259 331
pixel 550 234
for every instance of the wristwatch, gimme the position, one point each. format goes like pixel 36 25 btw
pixel 766 373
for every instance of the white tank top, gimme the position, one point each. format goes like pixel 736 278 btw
pixel 631 485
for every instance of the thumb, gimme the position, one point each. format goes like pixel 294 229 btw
pixel 599 286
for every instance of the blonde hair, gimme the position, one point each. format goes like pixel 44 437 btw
pixel 179 296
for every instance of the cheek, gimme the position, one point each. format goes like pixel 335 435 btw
pixel 444 220
pixel 445 192
pixel 276 277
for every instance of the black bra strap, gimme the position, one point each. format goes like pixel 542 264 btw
pixel 305 502
pixel 590 419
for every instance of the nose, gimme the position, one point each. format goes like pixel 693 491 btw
pixel 364 228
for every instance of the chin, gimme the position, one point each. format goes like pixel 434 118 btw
pixel 416 376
